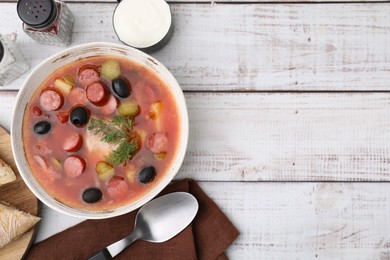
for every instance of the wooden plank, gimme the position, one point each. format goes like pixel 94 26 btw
pixel 306 220
pixel 251 47
pixel 283 137
pixel 288 137
pixel 293 220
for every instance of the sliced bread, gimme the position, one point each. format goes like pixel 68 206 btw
pixel 14 223
pixel 6 173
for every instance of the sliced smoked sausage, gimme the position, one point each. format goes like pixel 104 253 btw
pixel 117 188
pixel 88 74
pixel 51 100
pixel 74 166
pixel 97 93
pixel 110 107
pixel 73 142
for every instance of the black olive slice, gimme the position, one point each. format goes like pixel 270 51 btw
pixel 79 116
pixel 42 127
pixel 92 195
pixel 121 87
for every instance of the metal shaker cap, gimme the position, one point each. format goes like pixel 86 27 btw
pixel 37 13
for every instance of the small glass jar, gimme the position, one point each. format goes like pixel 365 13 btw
pixel 12 62
pixel 46 21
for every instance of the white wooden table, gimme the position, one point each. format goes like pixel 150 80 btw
pixel 289 109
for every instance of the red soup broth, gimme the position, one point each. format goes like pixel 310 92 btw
pixel 157 127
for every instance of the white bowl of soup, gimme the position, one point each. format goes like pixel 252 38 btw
pixel 99 129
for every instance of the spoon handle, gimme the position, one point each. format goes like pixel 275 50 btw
pixel 114 249
pixel 118 246
pixel 102 255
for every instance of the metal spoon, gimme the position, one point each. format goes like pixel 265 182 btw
pixel 157 221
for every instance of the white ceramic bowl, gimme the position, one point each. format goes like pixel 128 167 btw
pixel 42 71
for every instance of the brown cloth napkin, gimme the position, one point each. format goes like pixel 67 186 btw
pixel 207 237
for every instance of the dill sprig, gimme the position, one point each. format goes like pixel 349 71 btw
pixel 117 132
pixel 122 153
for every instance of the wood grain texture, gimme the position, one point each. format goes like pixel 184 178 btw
pixel 18 195
pixel 251 46
pixel 283 137
pixel 294 220
pixel 306 220
pixel 288 137
pixel 238 140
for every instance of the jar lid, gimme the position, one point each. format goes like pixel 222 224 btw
pixel 1 51
pixel 37 13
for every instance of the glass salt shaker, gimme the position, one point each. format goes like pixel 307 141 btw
pixel 46 21
pixel 12 62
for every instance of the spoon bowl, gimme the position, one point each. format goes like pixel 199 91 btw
pixel 157 221
pixel 162 218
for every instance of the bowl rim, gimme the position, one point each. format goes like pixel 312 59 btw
pixel 89 214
